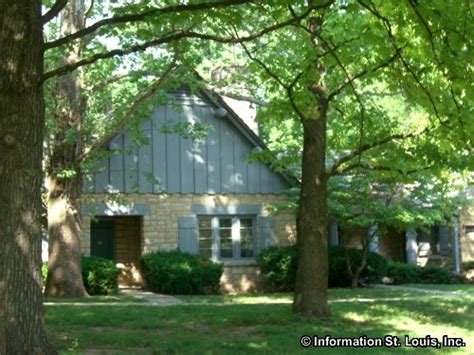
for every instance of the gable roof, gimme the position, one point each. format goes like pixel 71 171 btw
pixel 179 165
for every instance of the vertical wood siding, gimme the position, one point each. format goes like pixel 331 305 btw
pixel 175 164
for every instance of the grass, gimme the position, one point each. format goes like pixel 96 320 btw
pixel 334 294
pixel 462 289
pixel 252 328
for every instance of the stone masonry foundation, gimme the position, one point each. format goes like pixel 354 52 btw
pixel 159 229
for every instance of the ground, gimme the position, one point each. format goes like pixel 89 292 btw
pixel 250 324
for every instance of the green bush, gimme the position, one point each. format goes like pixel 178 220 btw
pixel 468 265
pixel 175 272
pixel 402 273
pixel 99 275
pixel 278 264
pixel 375 268
pixel 437 275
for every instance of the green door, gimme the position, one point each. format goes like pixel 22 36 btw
pixel 102 238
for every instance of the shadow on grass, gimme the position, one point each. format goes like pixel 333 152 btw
pixel 248 328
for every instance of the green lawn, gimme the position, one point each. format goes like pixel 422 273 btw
pixel 334 294
pixel 463 289
pixel 251 328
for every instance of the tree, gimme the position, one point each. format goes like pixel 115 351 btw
pixel 373 201
pixel 22 123
pixel 21 138
pixel 81 121
pixel 77 128
pixel 320 73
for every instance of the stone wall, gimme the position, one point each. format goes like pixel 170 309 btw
pixel 241 277
pixel 159 229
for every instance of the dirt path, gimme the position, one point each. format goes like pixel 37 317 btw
pixel 158 300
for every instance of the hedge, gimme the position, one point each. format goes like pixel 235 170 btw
pixel 175 272
pixel 99 275
pixel 402 273
pixel 278 265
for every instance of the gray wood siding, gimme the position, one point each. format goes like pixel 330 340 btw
pixel 174 164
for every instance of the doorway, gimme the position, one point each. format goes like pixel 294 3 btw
pixel 118 238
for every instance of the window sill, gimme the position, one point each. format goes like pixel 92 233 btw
pixel 238 262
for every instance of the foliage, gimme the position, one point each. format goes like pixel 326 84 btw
pixel 468 265
pixel 175 272
pixel 99 275
pixel 278 265
pixel 438 275
pixel 402 273
pixel 375 269
pixel 375 90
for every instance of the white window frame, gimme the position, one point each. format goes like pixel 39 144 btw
pixel 235 233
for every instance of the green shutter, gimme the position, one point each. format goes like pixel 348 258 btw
pixel 188 234
pixel 103 239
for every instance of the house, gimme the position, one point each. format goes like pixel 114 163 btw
pixel 448 245
pixel 201 196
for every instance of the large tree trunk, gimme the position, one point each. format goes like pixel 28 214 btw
pixel 311 286
pixel 65 181
pixel 21 142
pixel 64 230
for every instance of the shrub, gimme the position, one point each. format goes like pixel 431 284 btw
pixel 402 273
pixel 437 275
pixel 468 265
pixel 278 264
pixel 175 272
pixel 375 268
pixel 99 275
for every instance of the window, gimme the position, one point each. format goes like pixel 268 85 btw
pixel 227 237
pixel 205 237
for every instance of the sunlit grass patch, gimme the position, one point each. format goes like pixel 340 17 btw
pixel 252 328
pixel 465 289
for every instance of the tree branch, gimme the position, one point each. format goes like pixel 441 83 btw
pixel 88 11
pixel 381 168
pixel 388 27
pixel 117 77
pixel 368 146
pixel 122 122
pixel 362 73
pixel 53 11
pixel 288 88
pixel 173 37
pixel 141 17
pixel 237 96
